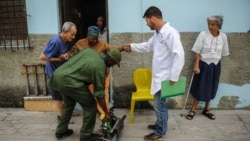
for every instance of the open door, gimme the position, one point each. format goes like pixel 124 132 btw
pixel 83 13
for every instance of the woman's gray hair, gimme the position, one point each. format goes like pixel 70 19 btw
pixel 217 18
pixel 67 26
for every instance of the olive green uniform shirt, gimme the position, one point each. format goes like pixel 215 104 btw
pixel 85 67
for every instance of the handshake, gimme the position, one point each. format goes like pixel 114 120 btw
pixel 126 47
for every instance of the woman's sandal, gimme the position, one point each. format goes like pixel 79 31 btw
pixel 208 114
pixel 190 115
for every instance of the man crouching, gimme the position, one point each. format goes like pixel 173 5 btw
pixel 72 80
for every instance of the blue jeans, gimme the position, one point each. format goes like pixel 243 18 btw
pixel 161 111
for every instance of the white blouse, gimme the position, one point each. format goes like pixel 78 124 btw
pixel 211 48
pixel 168 55
pixel 104 35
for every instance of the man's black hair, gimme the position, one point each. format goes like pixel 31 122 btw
pixel 153 11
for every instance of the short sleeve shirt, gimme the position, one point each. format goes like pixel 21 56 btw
pixel 55 47
pixel 211 48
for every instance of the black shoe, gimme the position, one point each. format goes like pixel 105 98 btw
pixel 153 137
pixel 65 134
pixel 92 137
pixel 153 127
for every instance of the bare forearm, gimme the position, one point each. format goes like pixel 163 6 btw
pixel 196 68
pixel 61 58
pixel 102 103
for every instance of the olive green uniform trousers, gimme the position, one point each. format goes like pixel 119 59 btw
pixel 88 105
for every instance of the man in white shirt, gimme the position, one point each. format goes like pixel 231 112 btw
pixel 167 64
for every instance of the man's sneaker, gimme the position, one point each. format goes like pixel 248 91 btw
pixel 152 127
pixel 92 137
pixel 64 134
pixel 153 137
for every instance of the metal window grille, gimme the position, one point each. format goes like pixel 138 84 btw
pixel 13 25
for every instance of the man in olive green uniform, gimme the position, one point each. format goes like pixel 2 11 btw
pixel 72 80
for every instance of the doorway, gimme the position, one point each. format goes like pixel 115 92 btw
pixel 83 13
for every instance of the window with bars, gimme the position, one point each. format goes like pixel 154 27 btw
pixel 13 25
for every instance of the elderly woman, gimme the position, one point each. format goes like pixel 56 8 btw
pixel 209 47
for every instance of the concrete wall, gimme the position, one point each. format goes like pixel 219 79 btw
pixel 12 80
pixel 234 84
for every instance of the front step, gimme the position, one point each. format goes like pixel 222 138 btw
pixel 39 103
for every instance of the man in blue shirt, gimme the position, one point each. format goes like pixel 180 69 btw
pixel 55 55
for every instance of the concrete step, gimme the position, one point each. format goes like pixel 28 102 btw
pixel 39 103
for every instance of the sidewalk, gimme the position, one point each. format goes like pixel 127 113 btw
pixel 16 124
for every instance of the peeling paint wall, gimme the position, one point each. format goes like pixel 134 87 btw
pixel 12 80
pixel 234 90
